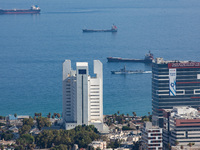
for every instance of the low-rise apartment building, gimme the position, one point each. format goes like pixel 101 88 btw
pixel 151 137
pixel 181 126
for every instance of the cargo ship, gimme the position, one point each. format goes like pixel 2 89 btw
pixel 124 71
pixel 33 10
pixel 113 29
pixel 148 59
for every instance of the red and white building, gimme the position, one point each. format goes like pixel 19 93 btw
pixel 174 83
pixel 151 137
pixel 181 126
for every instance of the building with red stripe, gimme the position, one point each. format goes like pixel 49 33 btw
pixel 174 83
pixel 181 126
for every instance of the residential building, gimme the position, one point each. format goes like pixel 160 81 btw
pixel 174 83
pixel 151 137
pixel 82 95
pixel 181 126
pixel 98 144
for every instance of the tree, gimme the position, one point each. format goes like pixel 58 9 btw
pixel 8 135
pixel 81 135
pixel 126 128
pixel 176 143
pixel 58 115
pixel 49 115
pixel 134 114
pixel 190 144
pixel 20 147
pixel 169 146
pixel 137 127
pixel 28 122
pixel 127 115
pixel 60 147
pixel 55 114
pixel 36 114
pixel 43 122
pixel 118 112
pixel 98 148
pixel 25 129
pixel 26 140
pixel 181 146
pixel 2 147
pixel 15 115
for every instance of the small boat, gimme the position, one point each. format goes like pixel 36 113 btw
pixel 124 71
pixel 33 10
pixel 113 29
pixel 148 59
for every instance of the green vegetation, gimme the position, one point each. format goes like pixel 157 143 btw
pixel 2 124
pixel 190 144
pixel 126 128
pixel 115 144
pixel 25 129
pixel 8 135
pixel 43 122
pixel 28 122
pixel 60 147
pixel 2 118
pixel 81 135
pixel 147 118
pixel 26 140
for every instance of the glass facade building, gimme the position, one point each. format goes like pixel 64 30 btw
pixel 174 83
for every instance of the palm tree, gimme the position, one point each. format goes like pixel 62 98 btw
pixel 190 144
pixel 55 114
pixel 58 115
pixel 137 127
pixel 169 146
pixel 134 114
pixel 15 117
pixel 49 116
pixel 118 112
pixel 176 143
pixel 115 115
pixel 36 114
pixel 181 146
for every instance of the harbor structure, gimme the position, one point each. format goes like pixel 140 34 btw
pixel 181 126
pixel 151 137
pixel 82 95
pixel 174 83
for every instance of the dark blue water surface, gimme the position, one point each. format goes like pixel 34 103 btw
pixel 33 48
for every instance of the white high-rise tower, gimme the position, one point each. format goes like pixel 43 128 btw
pixel 82 95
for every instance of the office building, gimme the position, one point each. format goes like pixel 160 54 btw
pixel 151 137
pixel 174 83
pixel 82 95
pixel 181 126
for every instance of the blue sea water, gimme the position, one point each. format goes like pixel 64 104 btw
pixel 33 48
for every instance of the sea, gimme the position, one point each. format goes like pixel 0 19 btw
pixel 33 48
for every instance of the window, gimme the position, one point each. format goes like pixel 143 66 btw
pixel 198 76
pixel 82 71
pixel 196 91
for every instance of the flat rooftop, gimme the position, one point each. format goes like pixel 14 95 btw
pixel 160 60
